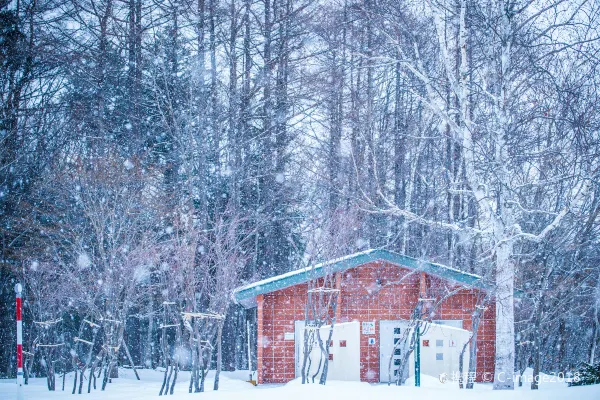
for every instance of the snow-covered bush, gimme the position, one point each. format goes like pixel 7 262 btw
pixel 587 374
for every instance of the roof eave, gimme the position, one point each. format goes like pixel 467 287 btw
pixel 246 296
pixel 242 295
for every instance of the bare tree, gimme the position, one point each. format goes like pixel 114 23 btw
pixel 202 269
pixel 499 199
pixel 328 242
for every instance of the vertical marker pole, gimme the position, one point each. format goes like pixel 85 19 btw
pixel 18 290
pixel 418 358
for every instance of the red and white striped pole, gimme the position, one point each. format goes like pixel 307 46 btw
pixel 18 290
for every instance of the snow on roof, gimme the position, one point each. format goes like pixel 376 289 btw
pixel 302 270
pixel 246 295
pixel 443 327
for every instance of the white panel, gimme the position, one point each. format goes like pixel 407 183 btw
pixel 346 360
pixel 435 359
pixel 345 365
pixel 298 338
pixel 449 335
pixel 389 333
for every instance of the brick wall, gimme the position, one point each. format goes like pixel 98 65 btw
pixel 372 292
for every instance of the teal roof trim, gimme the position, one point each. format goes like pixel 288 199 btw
pixel 246 295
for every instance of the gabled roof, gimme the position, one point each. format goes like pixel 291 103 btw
pixel 246 295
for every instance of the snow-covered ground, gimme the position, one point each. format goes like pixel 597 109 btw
pixel 233 387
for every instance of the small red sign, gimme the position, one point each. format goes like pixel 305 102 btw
pixel 342 343
pixel 425 343
pixel 330 357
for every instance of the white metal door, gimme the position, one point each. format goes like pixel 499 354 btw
pixel 344 351
pixel 445 342
pixel 298 339
pixel 390 333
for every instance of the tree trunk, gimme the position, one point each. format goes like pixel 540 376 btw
pixel 461 358
pixel 219 355
pixel 130 359
pixel 323 378
pixel 535 382
pixel 476 319
pixel 505 328
pixel 595 333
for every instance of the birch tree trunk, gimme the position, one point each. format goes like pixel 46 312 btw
pixel 505 318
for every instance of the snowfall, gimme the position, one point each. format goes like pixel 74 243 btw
pixel 234 387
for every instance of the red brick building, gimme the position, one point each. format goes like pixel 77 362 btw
pixel 375 285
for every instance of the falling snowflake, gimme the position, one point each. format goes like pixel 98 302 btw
pixel 83 261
